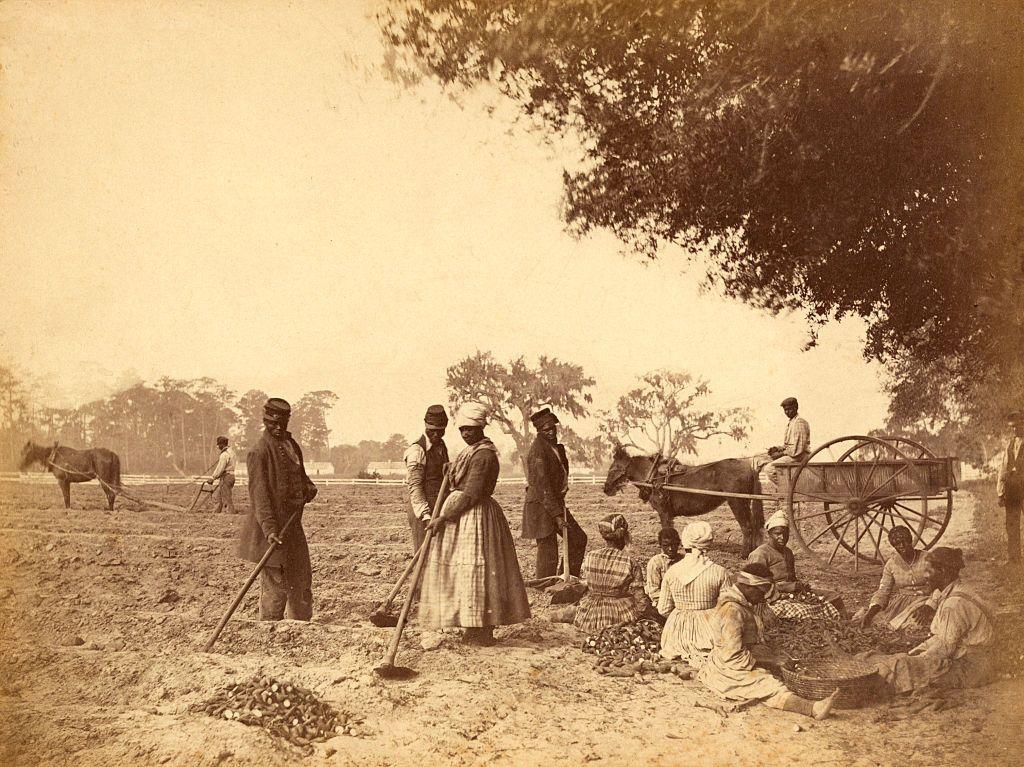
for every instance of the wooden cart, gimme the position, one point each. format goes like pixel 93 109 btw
pixel 849 493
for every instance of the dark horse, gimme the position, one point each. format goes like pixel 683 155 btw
pixel 69 465
pixel 732 475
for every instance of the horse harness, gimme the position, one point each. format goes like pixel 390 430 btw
pixel 656 493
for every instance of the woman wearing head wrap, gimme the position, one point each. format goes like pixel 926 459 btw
pixel 615 581
pixel 957 654
pixel 904 585
pixel 778 558
pixel 471 577
pixel 731 668
pixel 688 597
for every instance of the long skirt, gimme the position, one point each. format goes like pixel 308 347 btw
pixel 906 673
pixel 472 577
pixel 734 683
pixel 688 634
pixel 898 614
pixel 599 611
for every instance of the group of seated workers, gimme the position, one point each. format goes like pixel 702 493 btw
pixel 720 622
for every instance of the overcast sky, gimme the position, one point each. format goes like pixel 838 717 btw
pixel 234 190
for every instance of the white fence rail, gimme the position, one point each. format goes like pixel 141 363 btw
pixel 36 477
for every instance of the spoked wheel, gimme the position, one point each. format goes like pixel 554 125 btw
pixel 845 498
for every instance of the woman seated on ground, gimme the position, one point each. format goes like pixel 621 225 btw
pixel 688 598
pixel 958 652
pixel 904 585
pixel 615 581
pixel 668 540
pixel 731 669
pixel 779 559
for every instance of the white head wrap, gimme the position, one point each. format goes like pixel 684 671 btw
pixel 778 519
pixel 750 579
pixel 696 535
pixel 471 414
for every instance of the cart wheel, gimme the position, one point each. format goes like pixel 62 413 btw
pixel 850 492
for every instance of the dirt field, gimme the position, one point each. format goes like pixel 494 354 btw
pixel 103 616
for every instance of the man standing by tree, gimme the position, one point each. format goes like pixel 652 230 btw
pixel 544 512
pixel 225 471
pixel 1010 486
pixel 795 445
pixel 424 464
pixel 278 489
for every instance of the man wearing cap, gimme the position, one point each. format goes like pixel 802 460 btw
pixel 424 466
pixel 545 516
pixel 278 490
pixel 225 472
pixel 796 444
pixel 1010 485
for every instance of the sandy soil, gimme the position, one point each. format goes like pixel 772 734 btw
pixel 141 591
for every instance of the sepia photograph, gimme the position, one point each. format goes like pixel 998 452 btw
pixel 400 383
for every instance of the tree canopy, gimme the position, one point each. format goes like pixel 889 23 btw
pixel 513 391
pixel 835 157
pixel 666 413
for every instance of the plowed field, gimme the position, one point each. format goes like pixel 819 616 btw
pixel 102 617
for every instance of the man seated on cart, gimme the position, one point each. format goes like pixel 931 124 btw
pixel 796 444
pixel 790 597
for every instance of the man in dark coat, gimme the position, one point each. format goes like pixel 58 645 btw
pixel 1010 486
pixel 544 514
pixel 424 463
pixel 278 488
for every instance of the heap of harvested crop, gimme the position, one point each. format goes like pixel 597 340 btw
pixel 816 638
pixel 634 648
pixel 284 709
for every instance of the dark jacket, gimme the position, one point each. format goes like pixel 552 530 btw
pixel 546 470
pixel 278 486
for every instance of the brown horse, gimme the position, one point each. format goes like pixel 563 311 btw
pixel 732 475
pixel 69 465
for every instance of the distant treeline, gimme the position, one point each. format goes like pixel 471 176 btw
pixel 169 426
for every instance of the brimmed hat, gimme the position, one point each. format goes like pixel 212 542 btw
pixel 1015 416
pixel 277 409
pixel 790 401
pixel 544 418
pixel 435 418
pixel 222 440
pixel 471 414
pixel 947 559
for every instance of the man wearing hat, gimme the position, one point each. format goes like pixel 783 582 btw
pixel 796 444
pixel 225 472
pixel 424 465
pixel 544 512
pixel 1010 485
pixel 278 490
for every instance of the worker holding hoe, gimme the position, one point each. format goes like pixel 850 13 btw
pixel 278 490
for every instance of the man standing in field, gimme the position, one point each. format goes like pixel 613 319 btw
pixel 796 444
pixel 544 514
pixel 278 490
pixel 225 472
pixel 424 466
pixel 1010 486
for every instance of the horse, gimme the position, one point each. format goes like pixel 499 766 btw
pixel 69 465
pixel 731 475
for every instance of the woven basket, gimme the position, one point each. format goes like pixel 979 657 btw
pixel 857 682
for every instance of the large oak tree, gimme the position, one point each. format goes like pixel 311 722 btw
pixel 835 157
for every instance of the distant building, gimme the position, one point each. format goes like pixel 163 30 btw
pixel 386 468
pixel 315 468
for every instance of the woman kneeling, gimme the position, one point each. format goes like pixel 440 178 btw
pixel 731 668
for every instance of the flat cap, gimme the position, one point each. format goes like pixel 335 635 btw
pixel 789 401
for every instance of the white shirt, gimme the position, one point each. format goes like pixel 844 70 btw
pixel 226 463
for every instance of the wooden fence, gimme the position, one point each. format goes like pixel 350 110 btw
pixel 36 477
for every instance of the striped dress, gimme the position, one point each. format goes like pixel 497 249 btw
pixel 615 593
pixel 471 577
pixel 903 588
pixel 689 602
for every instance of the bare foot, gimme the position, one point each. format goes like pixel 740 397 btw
pixel 823 708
